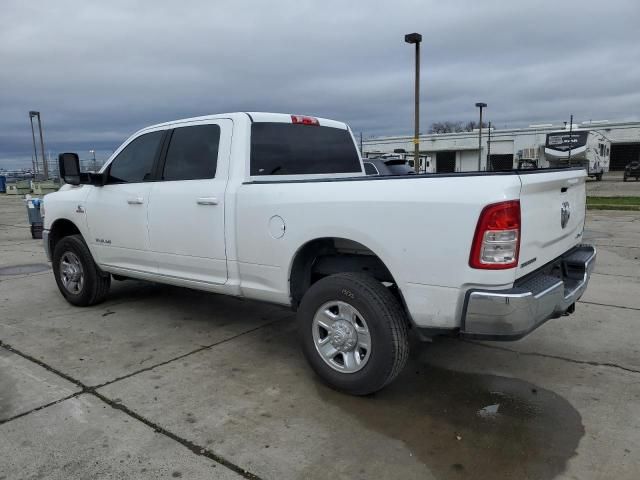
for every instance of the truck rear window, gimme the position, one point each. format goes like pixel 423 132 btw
pixel 292 149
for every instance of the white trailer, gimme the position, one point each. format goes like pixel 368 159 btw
pixel 576 147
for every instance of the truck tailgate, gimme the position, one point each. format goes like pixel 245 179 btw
pixel 552 208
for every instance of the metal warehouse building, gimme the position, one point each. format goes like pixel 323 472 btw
pixel 458 152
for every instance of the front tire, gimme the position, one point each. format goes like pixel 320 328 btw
pixel 353 332
pixel 79 279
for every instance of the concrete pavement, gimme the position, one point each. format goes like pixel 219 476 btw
pixel 613 186
pixel 163 382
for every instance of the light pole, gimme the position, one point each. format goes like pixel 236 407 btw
pixel 34 159
pixel 480 105
pixel 416 38
pixel 45 167
pixel 94 159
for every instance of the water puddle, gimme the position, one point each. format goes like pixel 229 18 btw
pixel 463 425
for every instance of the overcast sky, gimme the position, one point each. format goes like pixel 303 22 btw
pixel 98 71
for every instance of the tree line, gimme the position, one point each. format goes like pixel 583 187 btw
pixel 455 126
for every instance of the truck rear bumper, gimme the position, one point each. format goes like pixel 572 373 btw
pixel 547 293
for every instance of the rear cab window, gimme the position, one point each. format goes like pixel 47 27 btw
pixel 280 149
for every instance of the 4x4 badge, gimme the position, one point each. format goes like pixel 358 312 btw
pixel 565 214
pixel 80 209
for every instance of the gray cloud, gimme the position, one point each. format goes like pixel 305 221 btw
pixel 99 71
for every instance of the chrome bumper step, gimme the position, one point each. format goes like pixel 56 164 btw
pixel 511 314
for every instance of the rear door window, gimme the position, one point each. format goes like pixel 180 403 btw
pixel 292 149
pixel 192 153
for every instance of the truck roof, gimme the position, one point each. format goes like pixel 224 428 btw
pixel 253 116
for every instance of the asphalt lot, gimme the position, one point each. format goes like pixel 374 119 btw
pixel 613 186
pixel 163 382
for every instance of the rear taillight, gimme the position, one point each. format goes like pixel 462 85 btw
pixel 302 120
pixel 497 238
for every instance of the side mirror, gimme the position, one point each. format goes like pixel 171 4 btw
pixel 69 164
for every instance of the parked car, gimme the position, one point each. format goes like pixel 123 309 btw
pixel 527 164
pixel 381 166
pixel 278 208
pixel 632 170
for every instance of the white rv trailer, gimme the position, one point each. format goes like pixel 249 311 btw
pixel 577 147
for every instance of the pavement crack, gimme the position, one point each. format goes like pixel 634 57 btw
pixel 614 246
pixel 47 367
pixel 195 448
pixel 555 357
pixel 635 277
pixel 41 407
pixel 184 355
pixel 609 305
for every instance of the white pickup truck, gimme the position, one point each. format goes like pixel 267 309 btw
pixel 278 208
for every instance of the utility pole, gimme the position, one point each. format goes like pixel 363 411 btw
pixel 44 158
pixel 489 148
pixel 361 151
pixel 480 105
pixel 416 38
pixel 570 138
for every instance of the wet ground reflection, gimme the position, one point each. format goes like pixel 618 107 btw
pixel 463 425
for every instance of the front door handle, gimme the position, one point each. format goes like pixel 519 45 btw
pixel 135 200
pixel 207 201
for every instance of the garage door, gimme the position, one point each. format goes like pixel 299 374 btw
pixel 501 147
pixel 445 162
pixel 501 162
pixel 621 154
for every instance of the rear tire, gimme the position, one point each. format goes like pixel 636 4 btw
pixel 79 279
pixel 366 327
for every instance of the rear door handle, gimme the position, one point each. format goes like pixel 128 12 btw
pixel 207 201
pixel 135 200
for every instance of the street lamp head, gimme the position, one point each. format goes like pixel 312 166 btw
pixel 33 113
pixel 413 38
pixel 481 105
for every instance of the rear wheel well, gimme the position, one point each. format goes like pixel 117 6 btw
pixel 327 256
pixel 60 229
